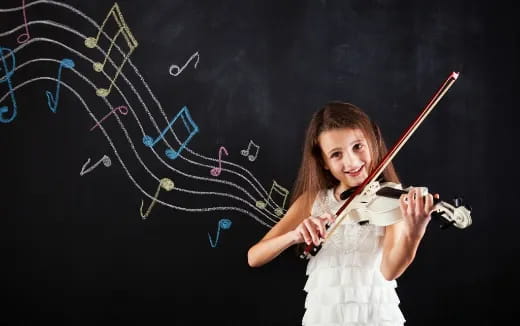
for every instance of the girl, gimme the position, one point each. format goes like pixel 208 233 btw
pixel 351 280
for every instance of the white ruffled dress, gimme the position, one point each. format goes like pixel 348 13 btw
pixel 344 284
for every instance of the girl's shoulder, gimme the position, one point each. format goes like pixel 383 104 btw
pixel 323 202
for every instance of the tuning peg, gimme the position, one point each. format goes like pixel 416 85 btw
pixel 458 202
pixel 468 206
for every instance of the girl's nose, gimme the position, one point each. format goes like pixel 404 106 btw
pixel 351 161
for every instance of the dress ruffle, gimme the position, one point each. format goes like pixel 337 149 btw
pixel 346 276
pixel 380 295
pixel 354 314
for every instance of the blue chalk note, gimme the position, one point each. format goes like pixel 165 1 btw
pixel 4 53
pixel 192 128
pixel 223 224
pixel 52 100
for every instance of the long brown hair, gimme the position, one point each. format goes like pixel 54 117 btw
pixel 312 176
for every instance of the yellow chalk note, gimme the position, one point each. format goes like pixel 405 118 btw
pixel 123 30
pixel 165 184
pixel 282 192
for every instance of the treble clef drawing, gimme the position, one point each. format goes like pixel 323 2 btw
pixel 7 79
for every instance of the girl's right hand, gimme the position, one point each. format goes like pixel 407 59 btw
pixel 311 229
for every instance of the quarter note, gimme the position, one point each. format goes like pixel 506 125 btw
pixel 216 171
pixel 24 37
pixel 52 101
pixel 223 224
pixel 122 110
pixel 246 152
pixel 106 162
pixel 179 70
pixel 165 184
pixel 281 191
pixel 192 128
pixel 7 79
pixel 123 30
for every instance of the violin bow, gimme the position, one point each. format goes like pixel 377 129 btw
pixel 392 152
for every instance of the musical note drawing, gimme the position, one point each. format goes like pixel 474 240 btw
pixel 185 115
pixel 216 171
pixel 106 162
pixel 179 70
pixel 165 184
pixel 245 152
pixel 52 100
pixel 122 110
pixel 223 224
pixel 280 190
pixel 24 37
pixel 91 42
pixel 7 79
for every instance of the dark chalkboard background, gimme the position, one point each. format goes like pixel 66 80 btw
pixel 75 250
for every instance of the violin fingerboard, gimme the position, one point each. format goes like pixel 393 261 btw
pixel 390 192
pixel 396 193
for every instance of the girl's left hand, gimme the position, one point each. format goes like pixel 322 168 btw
pixel 416 210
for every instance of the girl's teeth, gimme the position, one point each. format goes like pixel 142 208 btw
pixel 355 171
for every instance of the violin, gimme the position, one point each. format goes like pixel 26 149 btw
pixel 378 205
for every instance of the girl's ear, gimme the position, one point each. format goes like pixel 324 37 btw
pixel 321 161
pixel 325 166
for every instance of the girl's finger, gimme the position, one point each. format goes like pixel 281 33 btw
pixel 429 204
pixel 331 218
pixel 411 202
pixel 312 231
pixel 403 203
pixel 419 201
pixel 320 223
pixel 305 234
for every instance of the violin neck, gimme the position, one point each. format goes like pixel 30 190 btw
pixel 396 193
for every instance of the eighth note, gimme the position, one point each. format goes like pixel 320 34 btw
pixel 281 191
pixel 179 70
pixel 184 114
pixel 165 184
pixel 123 29
pixel 245 152
pixel 106 162
pixel 122 109
pixel 24 37
pixel 223 224
pixel 52 101
pixel 216 171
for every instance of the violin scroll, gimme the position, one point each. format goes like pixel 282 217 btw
pixel 456 214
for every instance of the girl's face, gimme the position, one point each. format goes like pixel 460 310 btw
pixel 346 155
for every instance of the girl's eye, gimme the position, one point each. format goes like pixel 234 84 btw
pixel 335 154
pixel 358 146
